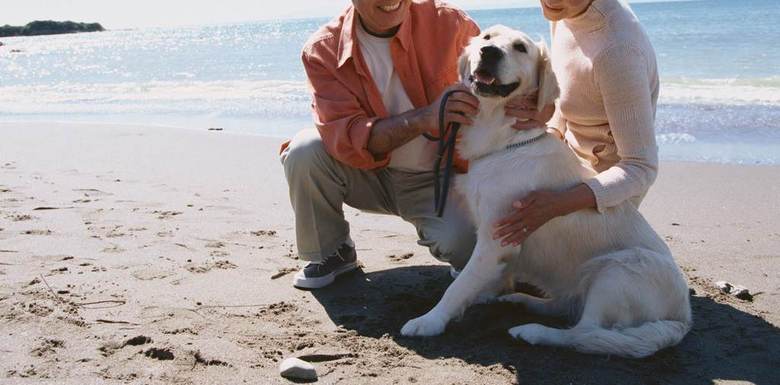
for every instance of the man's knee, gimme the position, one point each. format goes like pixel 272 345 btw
pixel 306 151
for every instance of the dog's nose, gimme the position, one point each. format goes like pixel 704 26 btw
pixel 491 53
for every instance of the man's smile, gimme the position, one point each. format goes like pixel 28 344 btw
pixel 391 7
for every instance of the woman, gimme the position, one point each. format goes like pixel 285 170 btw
pixel 606 69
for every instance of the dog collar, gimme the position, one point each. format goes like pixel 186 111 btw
pixel 513 146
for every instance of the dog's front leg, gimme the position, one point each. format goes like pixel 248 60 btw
pixel 482 275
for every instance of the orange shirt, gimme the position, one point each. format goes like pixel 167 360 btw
pixel 346 102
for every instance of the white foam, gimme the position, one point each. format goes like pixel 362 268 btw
pixel 272 98
pixel 762 91
pixel 675 138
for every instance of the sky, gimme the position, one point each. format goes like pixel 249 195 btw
pixel 114 14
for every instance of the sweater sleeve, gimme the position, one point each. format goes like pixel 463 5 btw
pixel 623 78
pixel 557 123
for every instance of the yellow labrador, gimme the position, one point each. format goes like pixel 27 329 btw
pixel 610 272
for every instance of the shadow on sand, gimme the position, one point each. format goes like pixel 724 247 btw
pixel 725 343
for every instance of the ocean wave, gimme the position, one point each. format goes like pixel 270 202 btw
pixel 736 91
pixel 231 98
pixel 675 138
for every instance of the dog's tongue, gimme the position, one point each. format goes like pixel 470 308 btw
pixel 484 77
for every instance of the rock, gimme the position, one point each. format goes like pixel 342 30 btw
pixel 297 369
pixel 742 293
pixel 724 287
pixel 737 291
pixel 49 27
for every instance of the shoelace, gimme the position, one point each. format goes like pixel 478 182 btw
pixel 329 258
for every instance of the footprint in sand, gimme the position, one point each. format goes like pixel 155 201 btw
pixel 263 233
pixel 150 274
pixel 113 249
pixel 19 217
pixel 37 232
pixel 91 192
pixel 218 246
pixel 47 347
pixel 165 234
pixel 115 232
pixel 210 265
pixel 400 257
pixel 166 214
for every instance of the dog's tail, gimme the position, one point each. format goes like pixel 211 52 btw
pixel 635 342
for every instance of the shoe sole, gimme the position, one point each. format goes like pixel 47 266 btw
pixel 300 281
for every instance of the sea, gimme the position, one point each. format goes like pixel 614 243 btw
pixel 719 64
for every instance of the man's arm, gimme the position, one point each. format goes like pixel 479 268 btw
pixel 395 131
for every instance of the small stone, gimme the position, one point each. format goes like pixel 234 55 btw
pixel 298 369
pixel 724 287
pixel 742 293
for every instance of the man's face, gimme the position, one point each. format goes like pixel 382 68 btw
pixel 382 16
pixel 556 10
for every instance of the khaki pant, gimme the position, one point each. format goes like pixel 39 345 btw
pixel 320 185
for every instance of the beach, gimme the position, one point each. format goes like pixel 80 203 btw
pixel 138 254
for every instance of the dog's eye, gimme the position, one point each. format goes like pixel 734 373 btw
pixel 486 37
pixel 520 47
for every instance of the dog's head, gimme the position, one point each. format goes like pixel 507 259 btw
pixel 502 63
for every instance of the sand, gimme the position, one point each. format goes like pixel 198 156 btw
pixel 162 255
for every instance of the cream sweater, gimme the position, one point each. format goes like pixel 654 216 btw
pixel 607 73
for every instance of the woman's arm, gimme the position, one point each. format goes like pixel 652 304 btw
pixel 623 76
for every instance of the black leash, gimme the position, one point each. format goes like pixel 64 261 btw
pixel 446 140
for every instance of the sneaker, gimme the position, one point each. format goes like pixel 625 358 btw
pixel 317 275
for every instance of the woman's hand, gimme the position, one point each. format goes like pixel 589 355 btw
pixel 538 208
pixel 523 108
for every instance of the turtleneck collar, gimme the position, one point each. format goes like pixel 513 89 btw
pixel 594 17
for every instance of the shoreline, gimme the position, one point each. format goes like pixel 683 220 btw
pixel 190 232
pixel 283 137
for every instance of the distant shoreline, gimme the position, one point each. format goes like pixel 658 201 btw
pixel 49 27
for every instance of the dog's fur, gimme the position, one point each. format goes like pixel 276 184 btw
pixel 610 272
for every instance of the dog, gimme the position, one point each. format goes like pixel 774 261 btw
pixel 609 272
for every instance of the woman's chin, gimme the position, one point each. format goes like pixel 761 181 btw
pixel 552 15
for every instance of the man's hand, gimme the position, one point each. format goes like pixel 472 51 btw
pixel 461 107
pixel 523 108
pixel 395 131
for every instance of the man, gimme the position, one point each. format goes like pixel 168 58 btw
pixel 377 73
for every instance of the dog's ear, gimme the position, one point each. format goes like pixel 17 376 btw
pixel 464 66
pixel 548 85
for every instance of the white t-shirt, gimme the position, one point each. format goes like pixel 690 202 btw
pixel 416 155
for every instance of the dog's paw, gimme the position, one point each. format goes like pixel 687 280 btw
pixel 425 326
pixel 531 333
